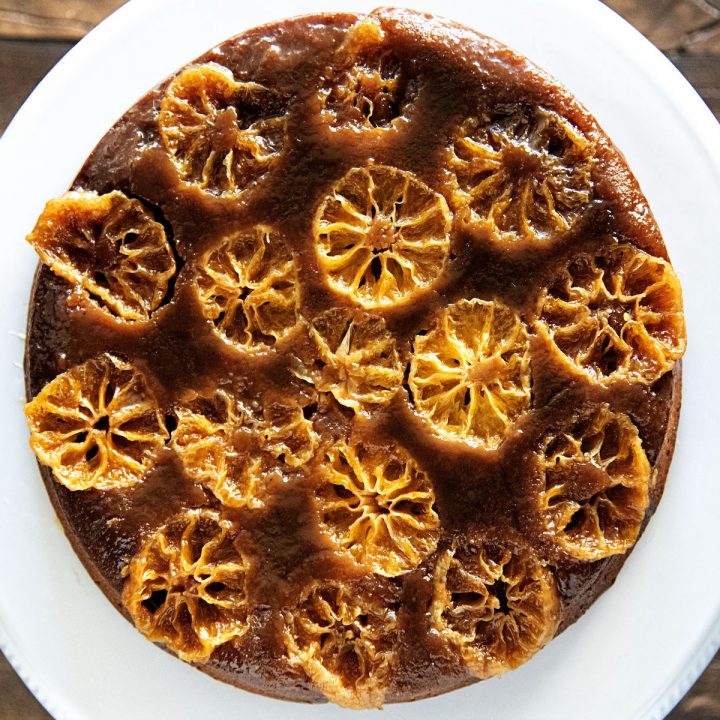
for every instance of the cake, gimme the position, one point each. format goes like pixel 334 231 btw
pixel 353 360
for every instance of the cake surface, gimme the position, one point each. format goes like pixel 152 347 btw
pixel 354 357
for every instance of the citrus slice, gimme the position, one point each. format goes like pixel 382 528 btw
pixel 97 425
pixel 225 447
pixel 378 505
pixel 215 443
pixel 247 287
pixel 186 587
pixel 345 639
pixel 111 247
pixel 382 235
pixel 356 359
pixel 287 433
pixel 368 88
pixel 526 173
pixel 595 491
pixel 221 135
pixel 470 374
pixel 615 314
pixel 496 605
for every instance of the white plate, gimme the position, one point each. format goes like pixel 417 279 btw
pixel 641 644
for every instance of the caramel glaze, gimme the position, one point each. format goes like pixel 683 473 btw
pixel 457 73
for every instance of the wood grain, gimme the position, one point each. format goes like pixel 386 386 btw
pixel 674 25
pixel 23 63
pixel 16 701
pixel 703 700
pixel 52 19
pixel 703 73
pixel 688 31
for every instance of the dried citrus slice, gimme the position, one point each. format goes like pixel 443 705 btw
pixel 215 443
pixel 345 639
pixel 222 135
pixel 382 235
pixel 595 490
pixel 368 88
pixel 470 374
pixel 496 605
pixel 525 173
pixel 186 587
pixel 378 504
pixel 111 247
pixel 616 314
pixel 287 433
pixel 357 359
pixel 247 288
pixel 97 425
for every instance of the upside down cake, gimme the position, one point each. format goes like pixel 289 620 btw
pixel 353 357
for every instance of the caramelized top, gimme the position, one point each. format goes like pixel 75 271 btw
pixel 353 359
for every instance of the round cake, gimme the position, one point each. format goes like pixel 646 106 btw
pixel 353 356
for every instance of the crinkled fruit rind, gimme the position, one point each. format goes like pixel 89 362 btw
pixel 230 450
pixel 595 491
pixel 497 605
pixel 287 434
pixel 470 374
pixel 247 285
pixel 186 586
pixel 615 314
pixel 357 360
pixel 222 135
pixel 345 639
pixel 215 443
pixel 382 235
pixel 369 91
pixel 111 247
pixel 378 505
pixel 97 425
pixel 527 173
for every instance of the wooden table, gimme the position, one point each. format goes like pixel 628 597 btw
pixel 35 34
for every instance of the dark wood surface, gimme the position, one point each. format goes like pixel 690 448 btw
pixel 35 34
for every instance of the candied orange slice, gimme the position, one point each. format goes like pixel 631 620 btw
pixel 214 442
pixel 111 247
pixel 615 314
pixel 379 505
pixel 247 287
pixel 496 605
pixel 382 235
pixel 595 492
pixel 345 639
pixel 287 433
pixel 357 359
pixel 222 135
pixel 470 374
pixel 97 425
pixel 186 587
pixel 527 174
pixel 369 90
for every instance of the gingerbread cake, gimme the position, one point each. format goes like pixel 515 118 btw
pixel 352 360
